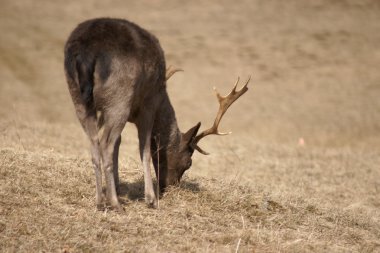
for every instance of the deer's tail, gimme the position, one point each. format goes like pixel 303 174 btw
pixel 80 69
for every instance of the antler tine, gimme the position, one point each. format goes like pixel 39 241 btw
pixel 196 147
pixel 224 103
pixel 233 89
pixel 170 71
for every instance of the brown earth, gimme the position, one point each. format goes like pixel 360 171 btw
pixel 315 79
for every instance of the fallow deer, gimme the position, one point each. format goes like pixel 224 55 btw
pixel 116 74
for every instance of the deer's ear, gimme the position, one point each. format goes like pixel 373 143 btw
pixel 191 133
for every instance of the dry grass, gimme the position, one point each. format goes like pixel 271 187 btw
pixel 315 76
pixel 47 204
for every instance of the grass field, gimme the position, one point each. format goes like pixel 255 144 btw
pixel 300 173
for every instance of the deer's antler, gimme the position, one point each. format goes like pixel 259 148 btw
pixel 224 103
pixel 170 71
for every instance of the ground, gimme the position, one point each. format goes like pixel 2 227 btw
pixel 299 173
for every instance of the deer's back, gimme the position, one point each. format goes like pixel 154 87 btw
pixel 114 61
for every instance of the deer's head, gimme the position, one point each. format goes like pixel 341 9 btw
pixel 174 162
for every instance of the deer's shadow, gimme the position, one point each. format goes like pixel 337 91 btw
pixel 135 190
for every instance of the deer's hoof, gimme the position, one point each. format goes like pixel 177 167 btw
pixel 117 208
pixel 151 201
pixel 120 209
pixel 100 207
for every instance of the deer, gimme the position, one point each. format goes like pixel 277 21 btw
pixel 116 73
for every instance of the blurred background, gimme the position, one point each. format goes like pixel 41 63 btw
pixel 314 67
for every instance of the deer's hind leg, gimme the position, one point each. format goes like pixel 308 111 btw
pixel 115 119
pixel 89 122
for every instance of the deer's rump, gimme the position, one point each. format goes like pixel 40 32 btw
pixel 116 53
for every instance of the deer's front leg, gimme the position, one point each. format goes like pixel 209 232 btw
pixel 116 164
pixel 145 132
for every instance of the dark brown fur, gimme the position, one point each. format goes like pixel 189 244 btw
pixel 116 73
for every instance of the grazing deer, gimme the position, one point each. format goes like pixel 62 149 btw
pixel 116 74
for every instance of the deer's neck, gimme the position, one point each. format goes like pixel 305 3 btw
pixel 165 128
